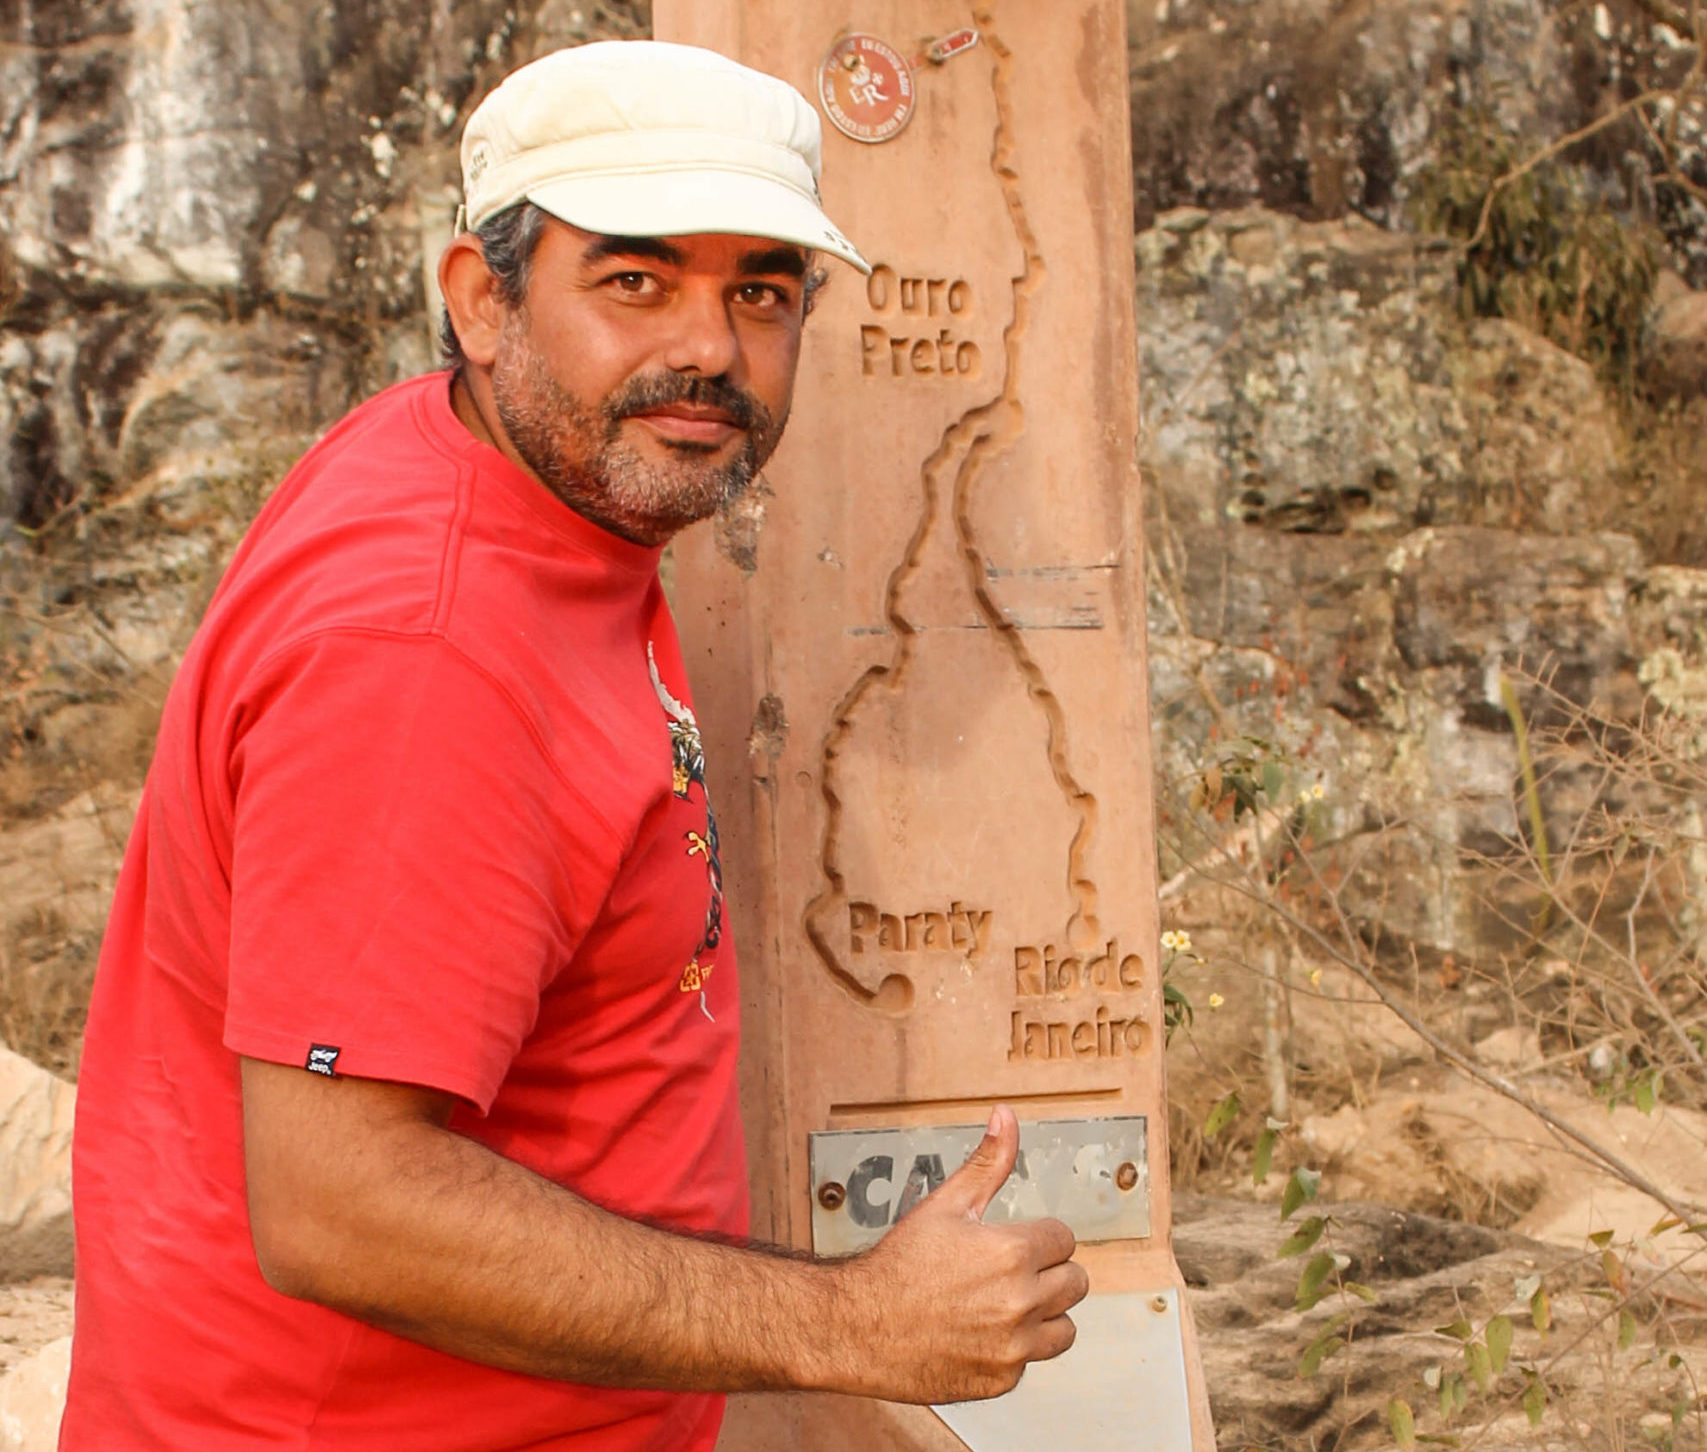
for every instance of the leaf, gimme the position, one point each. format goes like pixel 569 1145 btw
pixel 1535 1400
pixel 1263 1155
pixel 1647 1093
pixel 1301 1187
pixel 1272 780
pixel 1626 1329
pixel 1601 1239
pixel 1403 1423
pixel 1459 1330
pixel 1480 1366
pixel 1221 1115
pixel 1431 1377
pixel 1301 1239
pixel 1541 1311
pixel 1499 1336
pixel 1668 1222
pixel 1613 1269
pixel 1362 1292
pixel 1460 1393
pixel 1313 1283
pixel 1212 785
pixel 1526 1287
pixel 1317 1352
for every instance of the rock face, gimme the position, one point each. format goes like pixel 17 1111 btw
pixel 32 1400
pixel 1370 516
pixel 35 1191
pixel 1674 360
pixel 175 174
pixel 214 224
pixel 1320 108
pixel 1318 377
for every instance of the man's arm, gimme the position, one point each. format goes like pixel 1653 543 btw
pixel 360 1199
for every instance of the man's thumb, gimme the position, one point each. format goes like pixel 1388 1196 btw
pixel 969 1190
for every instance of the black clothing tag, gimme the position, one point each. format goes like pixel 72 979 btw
pixel 323 1059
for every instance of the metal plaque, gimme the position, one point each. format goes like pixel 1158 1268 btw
pixel 1091 1173
pixel 866 88
pixel 1121 1388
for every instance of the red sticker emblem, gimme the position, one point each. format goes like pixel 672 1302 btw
pixel 951 45
pixel 866 88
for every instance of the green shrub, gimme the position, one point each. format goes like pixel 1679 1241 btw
pixel 1551 256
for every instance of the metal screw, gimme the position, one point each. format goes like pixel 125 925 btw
pixel 831 1195
pixel 1158 1304
pixel 1126 1176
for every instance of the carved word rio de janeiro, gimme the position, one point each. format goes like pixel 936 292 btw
pixel 1066 1005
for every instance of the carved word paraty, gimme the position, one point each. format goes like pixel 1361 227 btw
pixel 959 930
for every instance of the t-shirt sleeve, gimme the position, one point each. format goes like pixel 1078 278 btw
pixel 406 871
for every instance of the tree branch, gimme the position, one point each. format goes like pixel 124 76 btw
pixel 1553 149
pixel 1688 1214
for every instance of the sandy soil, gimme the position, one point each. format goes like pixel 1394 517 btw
pixel 31 1315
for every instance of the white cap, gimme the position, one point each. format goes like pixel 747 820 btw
pixel 642 138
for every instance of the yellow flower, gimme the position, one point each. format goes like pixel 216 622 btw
pixel 1315 978
pixel 1318 791
pixel 1216 1000
pixel 1177 941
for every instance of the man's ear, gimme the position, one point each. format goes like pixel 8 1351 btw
pixel 471 298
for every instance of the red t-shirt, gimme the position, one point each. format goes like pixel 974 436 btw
pixel 428 806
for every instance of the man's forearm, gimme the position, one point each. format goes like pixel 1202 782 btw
pixel 456 1247
pixel 362 1200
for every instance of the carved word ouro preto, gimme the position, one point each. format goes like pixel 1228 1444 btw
pixel 916 338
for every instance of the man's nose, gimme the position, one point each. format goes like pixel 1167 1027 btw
pixel 703 338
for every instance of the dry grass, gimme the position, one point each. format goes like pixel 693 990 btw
pixel 46 973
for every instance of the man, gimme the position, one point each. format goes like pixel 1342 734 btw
pixel 407 1117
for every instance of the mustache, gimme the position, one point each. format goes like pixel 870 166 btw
pixel 657 390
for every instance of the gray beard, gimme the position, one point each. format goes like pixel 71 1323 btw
pixel 580 455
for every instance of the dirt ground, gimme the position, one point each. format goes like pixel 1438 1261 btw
pixel 31 1315
pixel 1452 1205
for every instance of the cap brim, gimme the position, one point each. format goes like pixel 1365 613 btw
pixel 681 203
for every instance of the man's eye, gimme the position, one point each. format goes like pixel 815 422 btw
pixel 636 284
pixel 762 294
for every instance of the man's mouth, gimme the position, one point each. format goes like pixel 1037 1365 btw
pixel 689 423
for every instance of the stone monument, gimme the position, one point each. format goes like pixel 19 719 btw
pixel 918 652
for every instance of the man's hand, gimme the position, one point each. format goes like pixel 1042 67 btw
pixel 948 1309
pixel 362 1199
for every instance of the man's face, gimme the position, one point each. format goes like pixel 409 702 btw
pixel 646 380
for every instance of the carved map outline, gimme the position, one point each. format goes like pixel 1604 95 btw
pixel 969 444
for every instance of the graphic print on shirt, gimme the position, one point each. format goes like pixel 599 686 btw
pixel 687 758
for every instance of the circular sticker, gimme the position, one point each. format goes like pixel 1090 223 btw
pixel 866 88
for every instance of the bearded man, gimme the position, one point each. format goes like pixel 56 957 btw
pixel 408 1114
